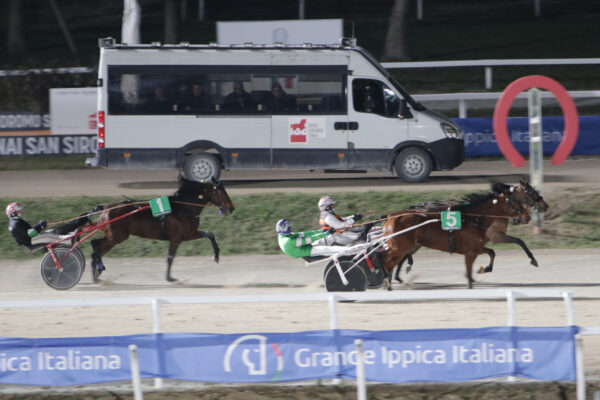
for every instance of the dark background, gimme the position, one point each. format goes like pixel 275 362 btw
pixel 449 30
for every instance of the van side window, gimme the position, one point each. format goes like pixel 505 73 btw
pixel 373 96
pixel 226 90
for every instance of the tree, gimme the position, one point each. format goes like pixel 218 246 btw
pixel 171 21
pixel 15 42
pixel 395 41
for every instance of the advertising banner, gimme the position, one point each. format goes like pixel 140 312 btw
pixel 441 355
pixel 47 144
pixel 480 140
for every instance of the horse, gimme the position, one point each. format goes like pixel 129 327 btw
pixel 523 193
pixel 181 225
pixel 485 217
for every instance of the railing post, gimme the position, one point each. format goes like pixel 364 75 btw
pixel 135 372
pixel 510 302
pixel 568 298
pixel 462 108
pixel 580 367
pixel 333 317
pixel 158 382
pixel 361 387
pixel 488 77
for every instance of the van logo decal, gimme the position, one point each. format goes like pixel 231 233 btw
pixel 302 129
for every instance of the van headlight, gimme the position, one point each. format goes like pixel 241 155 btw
pixel 451 131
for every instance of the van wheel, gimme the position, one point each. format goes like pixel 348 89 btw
pixel 413 165
pixel 201 167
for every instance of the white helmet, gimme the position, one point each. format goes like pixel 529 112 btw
pixel 13 209
pixel 283 227
pixel 326 203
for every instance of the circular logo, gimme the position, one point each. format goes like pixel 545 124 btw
pixel 566 104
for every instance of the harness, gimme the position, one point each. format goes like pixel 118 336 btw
pixel 324 225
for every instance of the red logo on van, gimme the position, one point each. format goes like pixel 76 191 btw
pixel 300 126
pixel 297 135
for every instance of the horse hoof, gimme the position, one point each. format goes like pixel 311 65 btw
pixel 170 279
pixel 534 262
pixel 408 269
pixel 216 259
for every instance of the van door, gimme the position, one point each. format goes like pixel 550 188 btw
pixel 310 132
pixel 373 113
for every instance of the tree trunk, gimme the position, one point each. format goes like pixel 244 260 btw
pixel 15 42
pixel 395 41
pixel 171 21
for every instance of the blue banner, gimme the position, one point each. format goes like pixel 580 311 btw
pixel 480 140
pixel 441 355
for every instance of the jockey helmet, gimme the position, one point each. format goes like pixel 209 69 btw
pixel 326 203
pixel 13 210
pixel 283 227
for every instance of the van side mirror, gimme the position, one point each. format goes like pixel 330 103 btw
pixel 404 112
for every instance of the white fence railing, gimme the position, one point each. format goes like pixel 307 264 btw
pixel 462 98
pixel 488 64
pixel 510 295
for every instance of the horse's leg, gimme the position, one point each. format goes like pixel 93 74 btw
pixel 504 238
pixel 210 236
pixel 490 266
pixel 469 260
pixel 99 248
pixel 173 246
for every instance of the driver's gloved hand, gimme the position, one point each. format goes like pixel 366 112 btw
pixel 358 216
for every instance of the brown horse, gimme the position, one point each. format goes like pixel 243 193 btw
pixel 485 217
pixel 179 226
pixel 523 193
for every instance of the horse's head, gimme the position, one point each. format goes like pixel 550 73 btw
pixel 203 193
pixel 508 206
pixel 529 196
pixel 219 196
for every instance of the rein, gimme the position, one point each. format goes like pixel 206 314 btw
pixel 51 223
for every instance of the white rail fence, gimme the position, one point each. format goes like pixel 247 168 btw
pixel 462 98
pixel 488 64
pixel 332 299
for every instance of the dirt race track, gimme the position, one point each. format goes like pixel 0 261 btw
pixel 575 270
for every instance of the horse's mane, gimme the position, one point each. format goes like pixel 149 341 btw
pixel 188 189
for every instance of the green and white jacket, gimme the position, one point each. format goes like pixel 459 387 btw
pixel 298 244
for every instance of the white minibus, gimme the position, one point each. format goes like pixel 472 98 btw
pixel 205 108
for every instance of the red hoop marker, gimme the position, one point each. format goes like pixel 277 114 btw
pixel 566 104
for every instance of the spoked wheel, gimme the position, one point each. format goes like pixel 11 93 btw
pixel 72 264
pixel 355 274
pixel 375 278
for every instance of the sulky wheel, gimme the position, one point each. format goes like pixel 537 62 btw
pixel 72 265
pixel 375 278
pixel 357 279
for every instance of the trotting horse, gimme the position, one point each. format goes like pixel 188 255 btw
pixel 482 214
pixel 179 226
pixel 524 193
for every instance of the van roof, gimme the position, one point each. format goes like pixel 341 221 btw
pixel 345 43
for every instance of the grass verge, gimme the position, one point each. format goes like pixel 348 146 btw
pixel 251 228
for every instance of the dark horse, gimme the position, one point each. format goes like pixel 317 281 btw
pixel 524 193
pixel 483 214
pixel 179 226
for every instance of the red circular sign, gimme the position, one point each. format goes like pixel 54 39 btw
pixel 566 104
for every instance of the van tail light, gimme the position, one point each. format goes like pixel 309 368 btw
pixel 101 132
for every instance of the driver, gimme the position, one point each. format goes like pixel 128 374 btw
pixel 299 244
pixel 26 235
pixel 342 227
pixel 20 229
